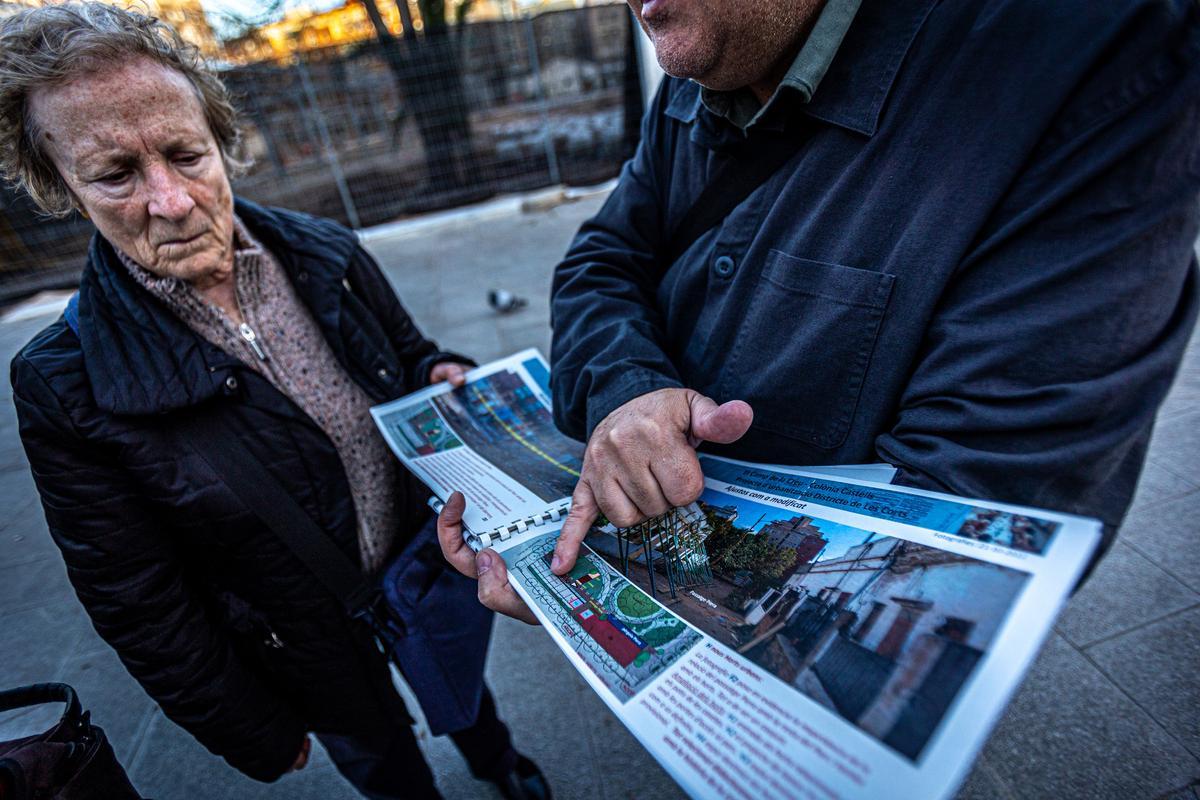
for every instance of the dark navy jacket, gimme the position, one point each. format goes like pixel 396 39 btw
pixel 978 265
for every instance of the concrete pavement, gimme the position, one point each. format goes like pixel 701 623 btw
pixel 1110 710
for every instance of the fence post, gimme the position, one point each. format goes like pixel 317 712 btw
pixel 543 105
pixel 335 166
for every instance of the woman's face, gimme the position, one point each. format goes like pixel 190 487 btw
pixel 134 148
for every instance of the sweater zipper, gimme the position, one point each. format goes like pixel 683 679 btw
pixel 252 339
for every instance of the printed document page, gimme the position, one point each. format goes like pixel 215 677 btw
pixel 801 635
pixel 493 439
pixel 875 473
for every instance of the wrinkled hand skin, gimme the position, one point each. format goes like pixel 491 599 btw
pixel 487 566
pixel 641 461
pixel 449 371
pixel 302 759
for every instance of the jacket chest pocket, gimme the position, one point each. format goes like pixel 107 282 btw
pixel 801 352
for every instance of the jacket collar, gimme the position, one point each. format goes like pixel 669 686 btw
pixel 142 359
pixel 854 91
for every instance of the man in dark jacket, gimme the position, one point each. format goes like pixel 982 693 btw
pixel 976 264
pixel 276 326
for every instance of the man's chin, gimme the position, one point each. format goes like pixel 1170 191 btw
pixel 681 65
pixel 682 56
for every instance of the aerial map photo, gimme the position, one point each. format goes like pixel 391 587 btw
pixel 420 431
pixel 503 420
pixel 626 638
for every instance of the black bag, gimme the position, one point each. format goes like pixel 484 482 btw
pixel 436 631
pixel 71 761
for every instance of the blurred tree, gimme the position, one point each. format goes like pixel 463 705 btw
pixel 428 71
pixel 735 551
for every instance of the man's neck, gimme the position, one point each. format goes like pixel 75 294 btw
pixel 765 86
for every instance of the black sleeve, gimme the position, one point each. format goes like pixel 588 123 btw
pixel 1051 350
pixel 418 355
pixel 608 334
pixel 129 579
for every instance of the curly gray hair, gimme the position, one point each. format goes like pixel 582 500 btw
pixel 44 47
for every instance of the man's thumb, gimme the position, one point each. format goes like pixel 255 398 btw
pixel 723 423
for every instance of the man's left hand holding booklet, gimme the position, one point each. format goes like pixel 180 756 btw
pixel 795 633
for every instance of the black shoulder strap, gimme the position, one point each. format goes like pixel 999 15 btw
pixel 728 186
pixel 249 479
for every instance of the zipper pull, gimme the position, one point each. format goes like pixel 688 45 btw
pixel 252 339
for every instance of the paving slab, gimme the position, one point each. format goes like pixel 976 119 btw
pixel 1126 591
pixel 1184 396
pixel 1071 733
pixel 117 702
pixel 451 773
pixel 443 279
pixel 23 533
pixel 39 582
pixel 12 455
pixel 1159 485
pixel 36 642
pixel 29 721
pixel 16 485
pixel 983 784
pixel 174 766
pixel 1157 666
pixel 549 709
pixel 639 776
pixel 1167 535
pixel 1176 442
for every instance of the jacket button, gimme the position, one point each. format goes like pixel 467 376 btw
pixel 724 266
pixel 302 277
pixel 383 373
pixel 231 384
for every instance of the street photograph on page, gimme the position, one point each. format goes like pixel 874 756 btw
pixel 880 630
pixel 1000 529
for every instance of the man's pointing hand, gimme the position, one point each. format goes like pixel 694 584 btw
pixel 641 461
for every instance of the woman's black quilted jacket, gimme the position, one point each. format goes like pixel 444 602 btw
pixel 177 574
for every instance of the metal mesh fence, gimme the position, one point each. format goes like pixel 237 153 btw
pixel 380 130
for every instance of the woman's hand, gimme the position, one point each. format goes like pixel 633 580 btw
pixel 302 759
pixel 486 566
pixel 451 372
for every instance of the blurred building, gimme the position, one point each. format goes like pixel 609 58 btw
pixel 727 513
pixel 13 6
pixel 302 30
pixel 799 535
pixel 889 631
pixel 185 16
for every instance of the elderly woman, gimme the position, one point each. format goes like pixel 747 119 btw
pixel 193 301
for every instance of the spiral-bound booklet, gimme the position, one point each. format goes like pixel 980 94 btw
pixel 796 633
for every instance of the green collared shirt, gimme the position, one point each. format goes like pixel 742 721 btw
pixel 742 108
